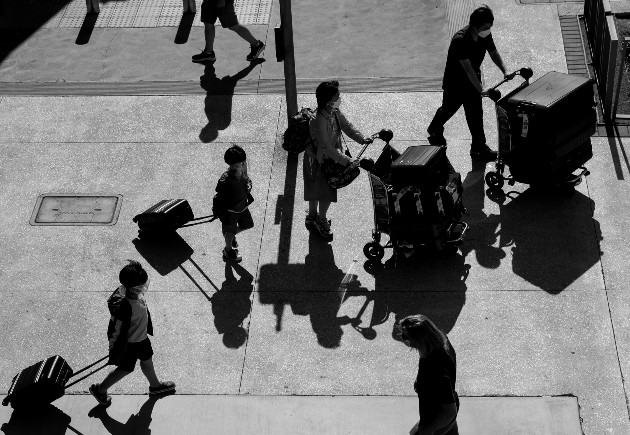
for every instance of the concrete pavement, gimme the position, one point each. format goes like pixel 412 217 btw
pixel 298 338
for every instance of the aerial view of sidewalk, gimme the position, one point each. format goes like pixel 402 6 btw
pixel 299 337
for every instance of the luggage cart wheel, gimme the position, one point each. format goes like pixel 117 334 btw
pixel 374 251
pixel 494 180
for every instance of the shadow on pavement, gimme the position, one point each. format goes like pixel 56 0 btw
pixel 169 252
pixel 136 424
pixel 316 289
pixel 13 12
pixel 553 238
pixel 86 29
pixel 47 420
pixel 183 31
pixel 218 101
pixel 232 304
pixel 614 140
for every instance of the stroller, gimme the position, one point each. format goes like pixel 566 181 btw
pixel 544 131
pixel 417 198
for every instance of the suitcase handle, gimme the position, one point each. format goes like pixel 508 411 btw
pixel 86 368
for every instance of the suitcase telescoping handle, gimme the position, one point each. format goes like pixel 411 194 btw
pixel 494 94
pixel 87 368
pixel 200 220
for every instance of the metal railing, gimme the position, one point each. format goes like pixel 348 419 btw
pixel 604 45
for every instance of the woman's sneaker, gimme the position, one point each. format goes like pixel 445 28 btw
pixel 102 399
pixel 231 255
pixel 323 226
pixel 309 220
pixel 165 387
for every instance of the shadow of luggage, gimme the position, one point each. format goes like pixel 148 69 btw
pixel 554 238
pixel 46 420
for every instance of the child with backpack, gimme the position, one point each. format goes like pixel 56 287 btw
pixel 232 200
pixel 128 331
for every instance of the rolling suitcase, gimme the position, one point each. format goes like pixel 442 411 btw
pixel 43 382
pixel 421 165
pixel 168 215
pixel 551 110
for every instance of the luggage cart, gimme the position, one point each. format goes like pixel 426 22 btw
pixel 409 233
pixel 544 131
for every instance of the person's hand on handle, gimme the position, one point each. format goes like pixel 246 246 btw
pixel 367 140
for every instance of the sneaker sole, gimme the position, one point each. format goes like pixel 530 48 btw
pixel 204 60
pixel 226 259
pixel 257 54
pixel 163 391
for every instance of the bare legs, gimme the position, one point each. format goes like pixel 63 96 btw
pixel 116 375
pixel 240 30
pixel 323 208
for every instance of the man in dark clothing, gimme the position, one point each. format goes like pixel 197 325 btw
pixel 462 81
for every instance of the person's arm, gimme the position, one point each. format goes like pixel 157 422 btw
pixel 496 58
pixel 326 143
pixel 472 75
pixel 348 128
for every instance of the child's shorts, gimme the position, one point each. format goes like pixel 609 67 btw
pixel 232 223
pixel 141 350
pixel 226 15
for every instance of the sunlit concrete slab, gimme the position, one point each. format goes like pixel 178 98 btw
pixel 196 119
pixel 295 415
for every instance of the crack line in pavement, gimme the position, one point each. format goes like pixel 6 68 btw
pixel 262 232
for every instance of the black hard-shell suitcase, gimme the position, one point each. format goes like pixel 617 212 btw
pixel 43 382
pixel 551 110
pixel 421 165
pixel 168 214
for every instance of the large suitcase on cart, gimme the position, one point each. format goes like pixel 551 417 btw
pixel 421 165
pixel 44 382
pixel 168 214
pixel 555 109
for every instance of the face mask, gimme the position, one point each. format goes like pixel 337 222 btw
pixel 337 103
pixel 483 33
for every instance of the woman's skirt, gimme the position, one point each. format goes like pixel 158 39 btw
pixel 316 188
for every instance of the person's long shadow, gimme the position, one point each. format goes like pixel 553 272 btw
pixel 554 238
pixel 137 424
pixel 218 101
pixel 316 289
pixel 425 283
pixel 232 304
pixel 484 228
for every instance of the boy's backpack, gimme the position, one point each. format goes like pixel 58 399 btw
pixel 297 136
pixel 115 300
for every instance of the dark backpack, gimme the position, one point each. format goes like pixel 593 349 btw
pixel 297 136
pixel 115 301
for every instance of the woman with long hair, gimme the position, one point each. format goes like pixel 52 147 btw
pixel 326 130
pixel 435 383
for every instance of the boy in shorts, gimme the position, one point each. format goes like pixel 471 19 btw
pixel 224 11
pixel 128 333
pixel 233 199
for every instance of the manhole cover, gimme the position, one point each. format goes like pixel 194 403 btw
pixel 73 209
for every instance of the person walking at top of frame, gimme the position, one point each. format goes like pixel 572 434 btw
pixel 326 130
pixel 224 11
pixel 462 81
pixel 435 384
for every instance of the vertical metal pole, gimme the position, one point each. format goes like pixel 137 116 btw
pixel 289 60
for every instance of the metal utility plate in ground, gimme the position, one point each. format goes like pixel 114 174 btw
pixel 76 209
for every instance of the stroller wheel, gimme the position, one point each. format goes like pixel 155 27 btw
pixel 374 251
pixel 494 180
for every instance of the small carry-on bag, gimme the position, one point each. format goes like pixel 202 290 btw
pixel 44 382
pixel 168 215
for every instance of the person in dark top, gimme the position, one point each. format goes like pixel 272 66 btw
pixel 435 383
pixel 232 200
pixel 462 81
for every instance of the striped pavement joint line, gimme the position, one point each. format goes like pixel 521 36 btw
pixel 243 87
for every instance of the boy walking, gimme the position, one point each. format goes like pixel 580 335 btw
pixel 232 200
pixel 224 11
pixel 128 331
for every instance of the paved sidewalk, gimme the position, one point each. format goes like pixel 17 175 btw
pixel 535 303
